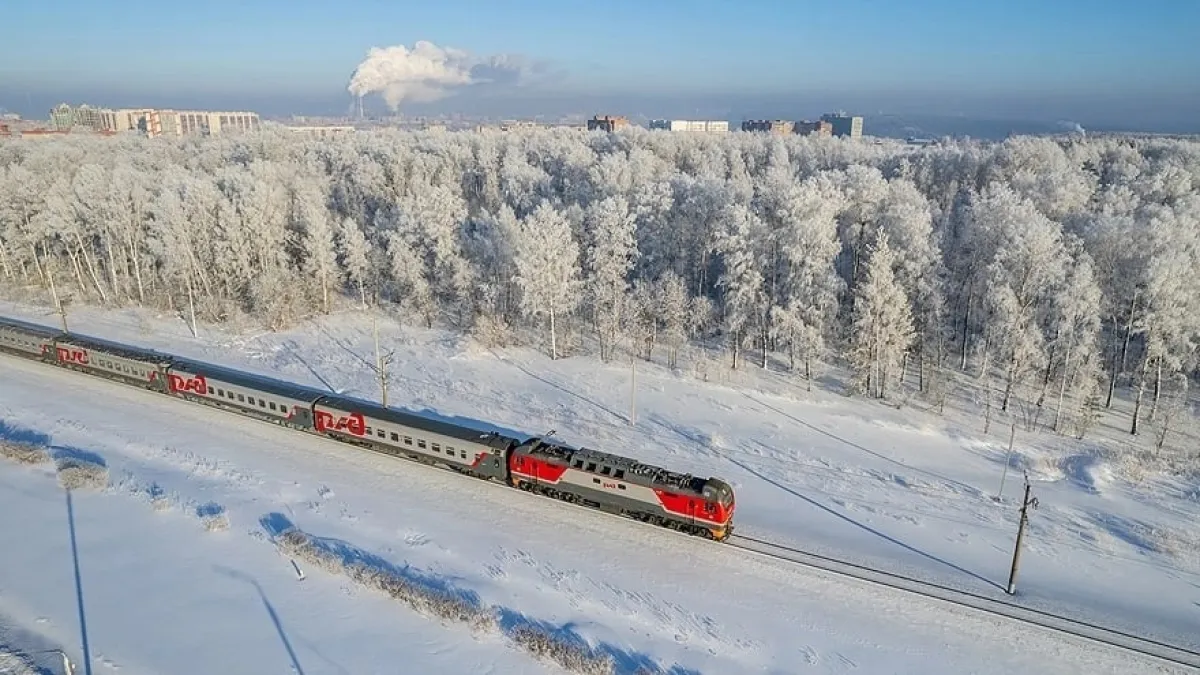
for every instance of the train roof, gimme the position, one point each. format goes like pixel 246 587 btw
pixel 32 328
pixel 474 434
pixel 116 349
pixel 237 377
pixel 635 471
pixel 369 408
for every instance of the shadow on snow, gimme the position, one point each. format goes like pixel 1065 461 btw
pixel 510 621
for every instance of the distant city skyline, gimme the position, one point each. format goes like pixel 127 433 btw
pixel 1094 62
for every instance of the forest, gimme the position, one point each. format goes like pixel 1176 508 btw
pixel 1064 271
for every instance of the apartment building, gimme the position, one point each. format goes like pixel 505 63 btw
pixel 814 128
pixel 326 131
pixel 607 123
pixel 153 122
pixel 846 126
pixel 698 126
pixel 781 127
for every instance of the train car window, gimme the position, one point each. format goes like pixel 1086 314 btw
pixel 596 481
pixel 420 443
pixel 381 433
pixel 462 454
pixel 241 399
pixel 591 466
pixel 262 403
pixel 620 486
pixel 619 473
pixel 437 448
pixel 579 464
pixel 272 405
pixel 369 432
pixel 211 391
pixel 395 437
pixel 408 440
pixel 250 400
pixel 606 471
pixel 220 392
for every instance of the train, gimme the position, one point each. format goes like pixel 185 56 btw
pixel 599 480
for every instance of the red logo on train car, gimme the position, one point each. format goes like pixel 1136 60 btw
pixel 196 384
pixel 352 423
pixel 72 355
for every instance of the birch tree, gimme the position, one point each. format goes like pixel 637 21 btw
pixel 546 256
pixel 882 328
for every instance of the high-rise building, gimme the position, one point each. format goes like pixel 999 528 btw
pixel 769 126
pixel 817 128
pixel 64 117
pixel 845 125
pixel 701 126
pixel 153 122
pixel 607 123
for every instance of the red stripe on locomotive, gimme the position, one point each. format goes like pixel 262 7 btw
pixel 691 507
pixel 528 467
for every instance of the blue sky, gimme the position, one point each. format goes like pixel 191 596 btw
pixel 866 50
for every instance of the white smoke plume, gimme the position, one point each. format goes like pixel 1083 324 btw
pixel 428 72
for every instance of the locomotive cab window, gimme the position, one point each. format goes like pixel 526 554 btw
pixel 579 464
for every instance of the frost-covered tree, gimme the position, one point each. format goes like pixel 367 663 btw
pixel 354 251
pixel 546 257
pixel 882 328
pixel 746 240
pixel 741 281
pixel 611 254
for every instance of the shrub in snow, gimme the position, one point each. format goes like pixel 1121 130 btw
pixel 428 601
pixel 15 664
pixel 573 656
pixel 24 453
pixel 74 473
pixel 213 517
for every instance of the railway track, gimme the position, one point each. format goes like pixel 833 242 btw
pixel 1109 637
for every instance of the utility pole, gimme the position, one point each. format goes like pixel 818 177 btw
pixel 1016 561
pixel 1007 458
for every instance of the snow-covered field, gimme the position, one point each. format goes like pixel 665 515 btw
pixel 900 489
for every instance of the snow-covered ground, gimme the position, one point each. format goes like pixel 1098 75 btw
pixel 899 489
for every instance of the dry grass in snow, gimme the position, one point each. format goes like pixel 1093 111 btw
pixel 15 664
pixel 75 474
pixel 24 453
pixel 540 642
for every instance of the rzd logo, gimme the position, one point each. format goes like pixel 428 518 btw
pixel 72 355
pixel 180 384
pixel 352 423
